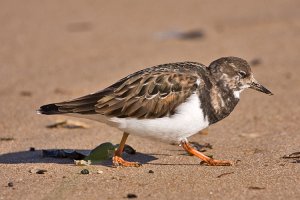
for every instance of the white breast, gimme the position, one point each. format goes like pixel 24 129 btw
pixel 187 120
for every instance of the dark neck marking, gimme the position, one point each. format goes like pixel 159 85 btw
pixel 217 101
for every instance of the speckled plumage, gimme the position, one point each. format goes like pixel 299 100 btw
pixel 159 92
pixel 149 93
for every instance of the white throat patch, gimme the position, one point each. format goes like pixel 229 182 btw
pixel 236 94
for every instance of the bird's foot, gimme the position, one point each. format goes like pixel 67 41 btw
pixel 205 159
pixel 213 162
pixel 118 161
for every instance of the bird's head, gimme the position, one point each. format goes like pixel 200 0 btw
pixel 235 74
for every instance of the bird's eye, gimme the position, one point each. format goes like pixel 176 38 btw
pixel 242 74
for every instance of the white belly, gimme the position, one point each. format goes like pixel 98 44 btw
pixel 187 120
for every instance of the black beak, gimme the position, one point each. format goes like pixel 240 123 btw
pixel 257 86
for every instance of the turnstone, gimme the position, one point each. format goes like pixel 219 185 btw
pixel 169 102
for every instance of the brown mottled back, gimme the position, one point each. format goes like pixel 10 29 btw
pixel 149 93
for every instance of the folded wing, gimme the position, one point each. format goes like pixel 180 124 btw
pixel 150 94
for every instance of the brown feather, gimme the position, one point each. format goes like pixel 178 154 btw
pixel 150 93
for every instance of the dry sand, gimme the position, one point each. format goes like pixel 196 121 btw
pixel 57 50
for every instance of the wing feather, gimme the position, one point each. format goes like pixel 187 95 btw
pixel 151 93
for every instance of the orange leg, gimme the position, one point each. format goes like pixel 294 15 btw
pixel 118 160
pixel 203 157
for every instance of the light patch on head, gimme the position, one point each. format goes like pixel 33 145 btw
pixel 232 65
pixel 224 76
pixel 228 82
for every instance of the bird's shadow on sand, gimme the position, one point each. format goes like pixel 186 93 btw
pixel 22 157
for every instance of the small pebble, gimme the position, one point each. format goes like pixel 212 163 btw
pixel 31 149
pixel 131 196
pixel 85 171
pixel 99 172
pixel 151 171
pixel 41 171
pixel 10 184
pixel 38 171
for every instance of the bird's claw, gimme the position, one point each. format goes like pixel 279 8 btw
pixel 120 162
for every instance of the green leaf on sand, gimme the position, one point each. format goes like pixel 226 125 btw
pixel 102 152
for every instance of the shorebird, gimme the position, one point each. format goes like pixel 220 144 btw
pixel 168 102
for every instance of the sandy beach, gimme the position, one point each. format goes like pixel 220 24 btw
pixel 54 50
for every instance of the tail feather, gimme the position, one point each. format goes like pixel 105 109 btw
pixel 82 105
pixel 49 109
